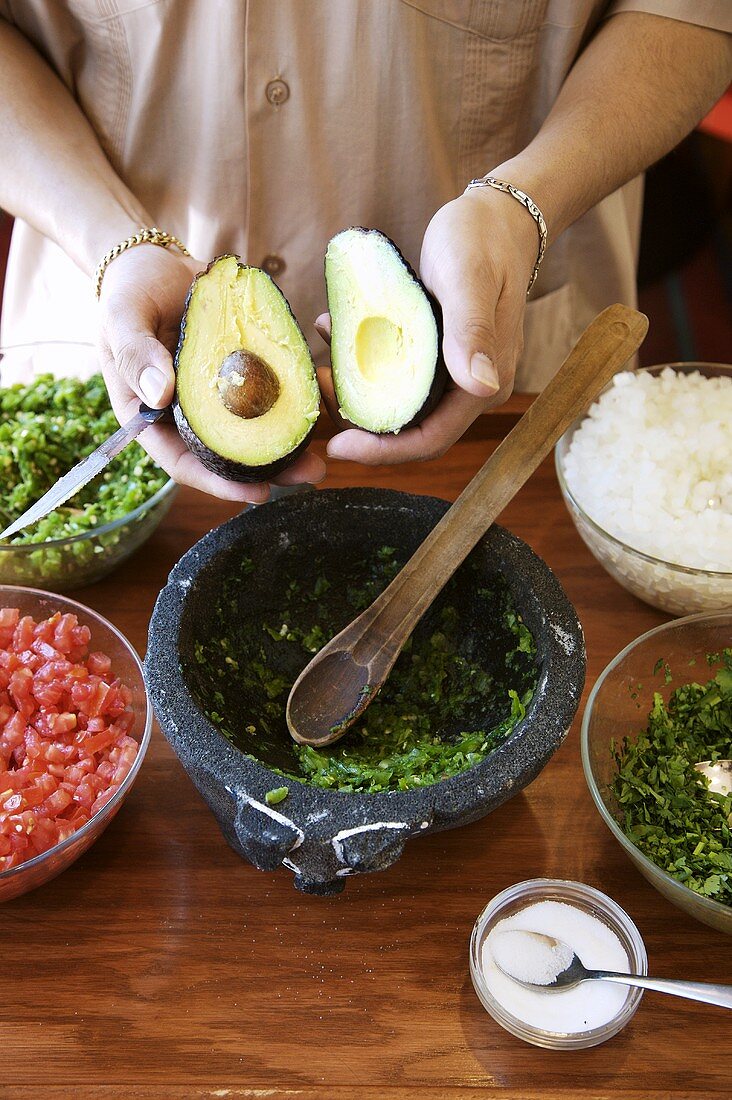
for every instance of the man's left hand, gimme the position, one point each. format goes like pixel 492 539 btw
pixel 477 258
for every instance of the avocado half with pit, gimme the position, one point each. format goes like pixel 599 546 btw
pixel 247 397
pixel 388 372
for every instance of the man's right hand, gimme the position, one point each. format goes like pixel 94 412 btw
pixel 143 295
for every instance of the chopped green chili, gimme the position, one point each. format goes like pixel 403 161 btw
pixel 278 794
pixel 46 427
pixel 449 701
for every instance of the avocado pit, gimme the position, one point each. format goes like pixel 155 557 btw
pixel 248 386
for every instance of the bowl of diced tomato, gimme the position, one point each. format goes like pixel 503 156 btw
pixel 74 728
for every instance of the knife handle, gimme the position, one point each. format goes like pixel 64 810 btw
pixel 153 415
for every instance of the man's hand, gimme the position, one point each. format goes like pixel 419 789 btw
pixel 477 258
pixel 143 294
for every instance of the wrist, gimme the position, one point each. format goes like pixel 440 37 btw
pixel 147 236
pixel 515 230
pixel 524 172
pixel 102 231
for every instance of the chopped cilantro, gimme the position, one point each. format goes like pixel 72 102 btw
pixel 667 809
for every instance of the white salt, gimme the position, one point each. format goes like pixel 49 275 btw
pixel 528 958
pixel 585 1007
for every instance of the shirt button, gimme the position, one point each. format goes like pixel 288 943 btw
pixel 273 265
pixel 277 92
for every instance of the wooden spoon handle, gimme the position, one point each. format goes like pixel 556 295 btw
pixel 603 348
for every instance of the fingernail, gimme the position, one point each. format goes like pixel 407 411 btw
pixel 332 449
pixel 483 371
pixel 153 384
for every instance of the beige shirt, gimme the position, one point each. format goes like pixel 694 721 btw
pixel 265 126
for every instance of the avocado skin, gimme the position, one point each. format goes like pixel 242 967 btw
pixel 217 464
pixel 441 375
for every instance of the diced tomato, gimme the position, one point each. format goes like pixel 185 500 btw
pixel 57 802
pixel 63 723
pixel 50 693
pixel 20 688
pixel 32 797
pixel 23 634
pixel 64 733
pixel 45 649
pixel 104 797
pixel 99 664
pixel 14 730
pixel 9 617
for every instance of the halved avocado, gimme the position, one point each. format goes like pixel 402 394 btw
pixel 247 397
pixel 388 372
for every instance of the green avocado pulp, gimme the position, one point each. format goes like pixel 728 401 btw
pixel 461 684
pixel 379 345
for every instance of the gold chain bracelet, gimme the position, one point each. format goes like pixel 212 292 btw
pixel 144 236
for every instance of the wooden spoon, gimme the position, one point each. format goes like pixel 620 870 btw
pixel 343 678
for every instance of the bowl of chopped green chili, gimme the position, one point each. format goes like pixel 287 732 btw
pixel 48 422
pixel 661 706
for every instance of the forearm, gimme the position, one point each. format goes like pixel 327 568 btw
pixel 641 84
pixel 53 172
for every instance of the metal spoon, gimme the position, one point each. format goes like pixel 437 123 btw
pixel 577 972
pixel 719 775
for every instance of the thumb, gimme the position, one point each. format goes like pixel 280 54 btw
pixel 142 363
pixel 322 326
pixel 469 340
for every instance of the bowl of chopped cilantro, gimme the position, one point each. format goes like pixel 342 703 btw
pixel 481 697
pixel 661 706
pixel 48 422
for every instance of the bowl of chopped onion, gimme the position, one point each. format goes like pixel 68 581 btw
pixel 646 476
pixel 74 728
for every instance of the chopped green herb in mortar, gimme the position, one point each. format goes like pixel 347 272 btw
pixel 46 427
pixel 453 696
pixel 668 811
pixel 279 794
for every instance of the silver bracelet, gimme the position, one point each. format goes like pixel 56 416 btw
pixel 533 209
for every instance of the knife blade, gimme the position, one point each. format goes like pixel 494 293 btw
pixel 84 471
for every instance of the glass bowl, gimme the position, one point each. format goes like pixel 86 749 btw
pixel 617 708
pixel 584 897
pixel 675 588
pixel 63 564
pixel 126 664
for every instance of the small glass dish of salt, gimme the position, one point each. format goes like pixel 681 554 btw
pixel 599 932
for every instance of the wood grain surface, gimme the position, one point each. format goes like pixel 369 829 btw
pixel 162 965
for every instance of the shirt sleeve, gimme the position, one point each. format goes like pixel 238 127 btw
pixel 715 14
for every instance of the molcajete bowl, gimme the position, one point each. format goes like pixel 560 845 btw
pixel 325 835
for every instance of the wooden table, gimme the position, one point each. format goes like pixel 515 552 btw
pixel 162 965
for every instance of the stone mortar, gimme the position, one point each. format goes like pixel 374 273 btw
pixel 323 836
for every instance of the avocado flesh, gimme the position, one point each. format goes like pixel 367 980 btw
pixel 384 334
pixel 236 316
